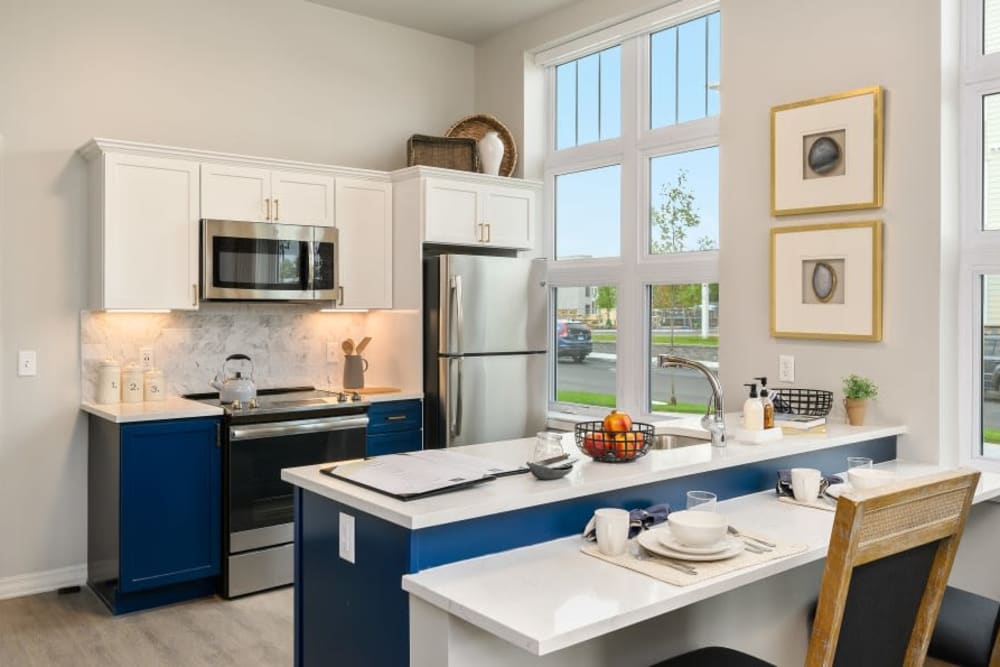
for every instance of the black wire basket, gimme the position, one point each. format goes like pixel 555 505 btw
pixel 613 447
pixel 814 402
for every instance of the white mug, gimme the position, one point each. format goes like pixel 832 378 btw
pixel 806 483
pixel 612 530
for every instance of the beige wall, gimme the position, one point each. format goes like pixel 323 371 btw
pixel 280 78
pixel 772 54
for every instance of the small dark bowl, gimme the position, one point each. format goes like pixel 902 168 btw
pixel 545 472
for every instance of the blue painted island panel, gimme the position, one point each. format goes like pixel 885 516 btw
pixel 357 613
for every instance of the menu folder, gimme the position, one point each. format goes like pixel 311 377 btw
pixel 455 485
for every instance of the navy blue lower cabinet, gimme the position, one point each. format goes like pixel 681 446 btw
pixel 155 511
pixel 394 427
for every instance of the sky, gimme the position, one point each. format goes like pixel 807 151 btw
pixel 684 62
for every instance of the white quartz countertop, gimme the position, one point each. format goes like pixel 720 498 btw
pixel 550 596
pixel 588 477
pixel 171 408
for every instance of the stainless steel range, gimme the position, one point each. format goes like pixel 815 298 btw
pixel 281 428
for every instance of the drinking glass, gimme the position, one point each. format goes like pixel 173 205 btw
pixel 547 445
pixel 858 462
pixel 701 500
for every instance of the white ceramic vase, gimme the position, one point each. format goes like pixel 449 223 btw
pixel 490 153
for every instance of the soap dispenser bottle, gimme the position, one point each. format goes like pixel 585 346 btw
pixel 766 403
pixel 753 410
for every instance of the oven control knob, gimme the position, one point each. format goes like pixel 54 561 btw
pixel 341 397
pixel 355 396
pixel 252 404
pixel 235 405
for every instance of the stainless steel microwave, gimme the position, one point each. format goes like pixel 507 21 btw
pixel 263 261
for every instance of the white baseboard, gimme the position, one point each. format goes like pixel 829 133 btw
pixel 42 582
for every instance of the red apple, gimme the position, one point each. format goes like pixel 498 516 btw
pixel 617 422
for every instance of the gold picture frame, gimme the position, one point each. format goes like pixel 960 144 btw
pixel 827 153
pixel 826 281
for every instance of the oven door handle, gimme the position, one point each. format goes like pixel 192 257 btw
pixel 298 427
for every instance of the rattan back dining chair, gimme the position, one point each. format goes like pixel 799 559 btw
pixel 891 551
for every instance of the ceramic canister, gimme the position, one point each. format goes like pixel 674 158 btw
pixel 109 382
pixel 132 384
pixel 154 386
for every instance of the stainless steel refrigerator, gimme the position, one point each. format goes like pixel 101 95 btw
pixel 484 349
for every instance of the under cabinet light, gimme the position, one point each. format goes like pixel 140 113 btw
pixel 136 310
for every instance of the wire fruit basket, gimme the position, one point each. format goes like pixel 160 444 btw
pixel 613 446
pixel 815 402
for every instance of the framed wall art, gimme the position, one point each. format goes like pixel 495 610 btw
pixel 826 153
pixel 826 281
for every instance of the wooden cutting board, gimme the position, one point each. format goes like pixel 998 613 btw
pixel 377 390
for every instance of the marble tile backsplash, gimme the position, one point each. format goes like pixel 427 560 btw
pixel 287 343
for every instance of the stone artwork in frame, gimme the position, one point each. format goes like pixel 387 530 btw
pixel 826 281
pixel 826 153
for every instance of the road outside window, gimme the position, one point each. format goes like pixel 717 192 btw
pixel 586 345
pixel 684 321
pixel 991 366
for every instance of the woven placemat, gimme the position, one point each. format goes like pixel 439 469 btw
pixel 705 569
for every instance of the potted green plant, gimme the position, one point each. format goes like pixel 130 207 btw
pixel 857 391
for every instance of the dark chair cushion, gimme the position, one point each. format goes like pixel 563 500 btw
pixel 714 656
pixel 965 628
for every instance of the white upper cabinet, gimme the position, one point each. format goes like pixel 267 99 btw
pixel 364 227
pixel 145 234
pixel 301 198
pixel 236 192
pixel 459 208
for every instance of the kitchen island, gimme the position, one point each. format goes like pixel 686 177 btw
pixel 353 610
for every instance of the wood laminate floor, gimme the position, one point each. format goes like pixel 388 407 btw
pixel 51 630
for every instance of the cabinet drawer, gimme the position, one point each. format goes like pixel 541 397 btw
pixel 394 443
pixel 393 416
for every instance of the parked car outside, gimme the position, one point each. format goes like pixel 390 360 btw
pixel 573 340
pixel 991 362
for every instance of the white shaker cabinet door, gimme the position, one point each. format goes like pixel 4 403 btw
pixel 301 198
pixel 231 192
pixel 452 213
pixel 150 233
pixel 364 228
pixel 509 217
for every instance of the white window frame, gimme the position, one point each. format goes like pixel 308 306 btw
pixel 635 269
pixel 979 249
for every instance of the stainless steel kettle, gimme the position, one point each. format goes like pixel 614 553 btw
pixel 235 387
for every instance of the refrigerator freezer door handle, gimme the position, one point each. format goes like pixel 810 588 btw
pixel 456 415
pixel 456 300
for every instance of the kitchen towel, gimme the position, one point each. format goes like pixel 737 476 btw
pixel 638 521
pixel 705 569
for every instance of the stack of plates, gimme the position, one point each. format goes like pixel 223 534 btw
pixel 661 541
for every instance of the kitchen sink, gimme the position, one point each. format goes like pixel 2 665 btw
pixel 673 441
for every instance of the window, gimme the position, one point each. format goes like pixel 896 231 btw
pixel 979 344
pixel 632 177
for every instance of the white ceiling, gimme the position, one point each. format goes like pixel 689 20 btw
pixel 469 21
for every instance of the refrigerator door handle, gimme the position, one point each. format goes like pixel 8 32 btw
pixel 456 300
pixel 456 415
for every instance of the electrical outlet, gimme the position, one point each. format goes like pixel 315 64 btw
pixel 331 351
pixel 146 359
pixel 786 368
pixel 27 363
pixel 347 537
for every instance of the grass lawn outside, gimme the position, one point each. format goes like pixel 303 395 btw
pixel 608 401
pixel 991 435
pixel 663 339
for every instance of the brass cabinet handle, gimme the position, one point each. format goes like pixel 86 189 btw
pixel 489 233
pixel 275 209
pixel 396 418
pixel 340 295
pixel 267 216
pixel 194 294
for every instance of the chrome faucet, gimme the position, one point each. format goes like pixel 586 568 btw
pixel 713 420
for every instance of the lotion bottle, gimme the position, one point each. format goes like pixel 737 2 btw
pixel 753 411
pixel 766 403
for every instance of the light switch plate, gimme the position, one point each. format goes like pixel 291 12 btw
pixel 27 363
pixel 346 537
pixel 786 368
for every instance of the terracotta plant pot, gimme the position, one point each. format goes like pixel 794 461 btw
pixel 855 410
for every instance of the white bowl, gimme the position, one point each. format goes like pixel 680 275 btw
pixel 696 528
pixel 863 479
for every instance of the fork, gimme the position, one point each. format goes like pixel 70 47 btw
pixel 642 553
pixel 736 533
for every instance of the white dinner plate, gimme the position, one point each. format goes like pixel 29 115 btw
pixel 651 542
pixel 668 540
